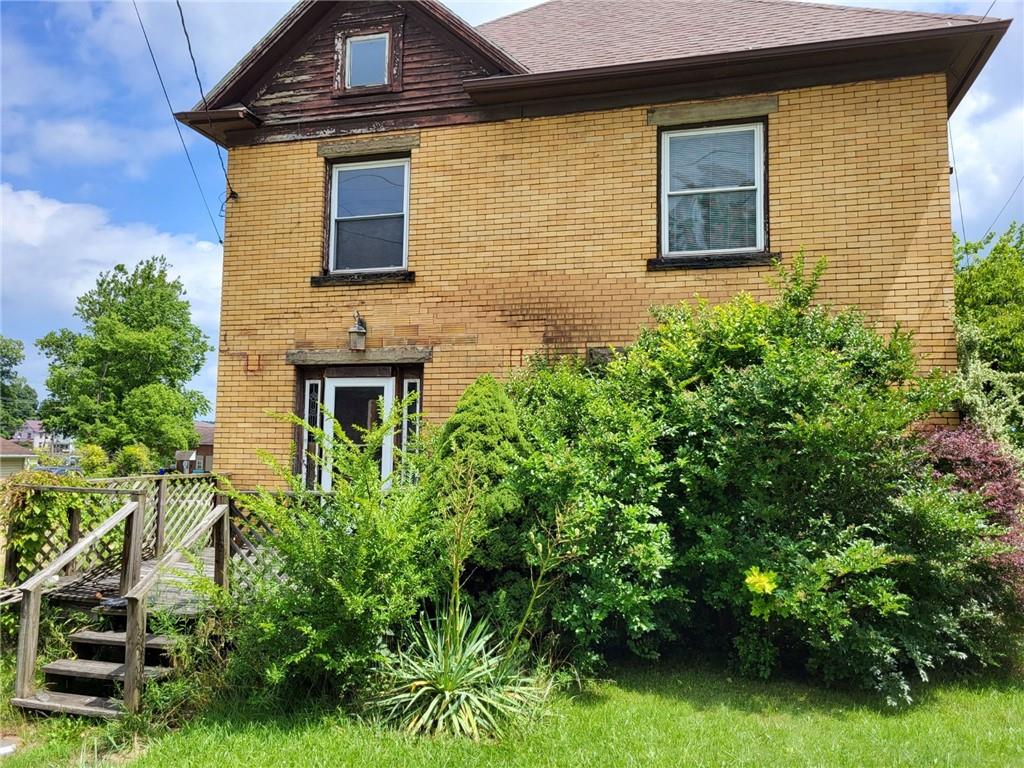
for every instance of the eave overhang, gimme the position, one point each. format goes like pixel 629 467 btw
pixel 959 51
pixel 217 123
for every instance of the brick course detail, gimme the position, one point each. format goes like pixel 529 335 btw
pixel 533 236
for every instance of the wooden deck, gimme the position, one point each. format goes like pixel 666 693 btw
pixel 90 588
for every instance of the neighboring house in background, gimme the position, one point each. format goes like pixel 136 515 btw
pixel 33 432
pixel 200 458
pixel 14 457
pixel 535 184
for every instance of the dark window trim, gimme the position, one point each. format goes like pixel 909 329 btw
pixel 699 261
pixel 713 261
pixel 395 31
pixel 362 278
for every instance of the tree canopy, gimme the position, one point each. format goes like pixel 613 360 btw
pixel 18 400
pixel 990 295
pixel 122 379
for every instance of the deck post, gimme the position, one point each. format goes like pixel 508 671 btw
pixel 74 534
pixel 134 653
pixel 131 553
pixel 161 513
pixel 221 549
pixel 28 642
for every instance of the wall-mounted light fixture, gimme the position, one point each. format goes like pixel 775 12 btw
pixel 357 333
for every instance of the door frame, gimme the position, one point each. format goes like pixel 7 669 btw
pixel 331 386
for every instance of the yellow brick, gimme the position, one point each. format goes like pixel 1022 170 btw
pixel 533 235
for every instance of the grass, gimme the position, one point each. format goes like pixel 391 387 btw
pixel 669 715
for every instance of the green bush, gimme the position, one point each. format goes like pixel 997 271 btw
pixel 805 526
pixel 590 483
pixel 132 460
pixel 347 569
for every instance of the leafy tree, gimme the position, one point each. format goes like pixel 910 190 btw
pixel 18 400
pixel 990 294
pixel 122 379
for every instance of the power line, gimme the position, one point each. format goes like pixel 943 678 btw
pixel 987 12
pixel 996 219
pixel 177 127
pixel 202 94
pixel 956 180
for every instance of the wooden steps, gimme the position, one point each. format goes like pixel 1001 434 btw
pixel 72 704
pixel 88 686
pixel 117 639
pixel 90 669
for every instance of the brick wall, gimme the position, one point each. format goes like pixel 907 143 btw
pixel 534 234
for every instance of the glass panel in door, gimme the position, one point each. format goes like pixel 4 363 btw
pixel 355 405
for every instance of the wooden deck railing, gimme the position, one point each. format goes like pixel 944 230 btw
pixel 133 515
pixel 217 522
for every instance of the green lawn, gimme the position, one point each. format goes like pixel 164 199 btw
pixel 671 715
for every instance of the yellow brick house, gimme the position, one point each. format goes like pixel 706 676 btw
pixel 469 197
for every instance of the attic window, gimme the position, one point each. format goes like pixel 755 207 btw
pixel 369 60
pixel 366 60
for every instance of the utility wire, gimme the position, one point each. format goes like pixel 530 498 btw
pixel 990 5
pixel 996 219
pixel 202 93
pixel 956 181
pixel 177 127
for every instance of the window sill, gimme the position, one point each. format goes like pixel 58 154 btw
pixel 713 261
pixel 363 278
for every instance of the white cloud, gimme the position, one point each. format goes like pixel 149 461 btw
pixel 51 252
pixel 988 141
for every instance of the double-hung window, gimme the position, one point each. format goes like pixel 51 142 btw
pixel 712 190
pixel 369 216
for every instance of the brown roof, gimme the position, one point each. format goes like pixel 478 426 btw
pixel 205 430
pixel 11 448
pixel 565 35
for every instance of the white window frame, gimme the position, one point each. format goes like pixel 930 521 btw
pixel 387 58
pixel 336 170
pixel 758 186
pixel 387 449
pixel 406 390
pixel 307 463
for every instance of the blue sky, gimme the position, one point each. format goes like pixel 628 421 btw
pixel 93 173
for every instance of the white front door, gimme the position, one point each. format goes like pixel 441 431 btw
pixel 354 403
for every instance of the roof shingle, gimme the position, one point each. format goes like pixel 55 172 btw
pixel 563 35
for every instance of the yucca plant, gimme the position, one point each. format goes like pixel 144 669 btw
pixel 455 678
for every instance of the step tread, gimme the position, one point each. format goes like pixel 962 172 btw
pixel 97 670
pixel 71 704
pixel 160 642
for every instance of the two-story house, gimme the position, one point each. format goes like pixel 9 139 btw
pixel 536 184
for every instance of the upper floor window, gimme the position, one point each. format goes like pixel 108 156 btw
pixel 369 216
pixel 712 190
pixel 366 60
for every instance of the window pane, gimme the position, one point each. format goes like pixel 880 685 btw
pixel 371 191
pixel 710 160
pixel 712 221
pixel 369 243
pixel 367 61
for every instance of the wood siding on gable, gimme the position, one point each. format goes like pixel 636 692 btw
pixel 301 89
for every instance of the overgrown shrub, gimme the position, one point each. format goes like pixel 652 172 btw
pixel 346 570
pixel 590 482
pixel 804 526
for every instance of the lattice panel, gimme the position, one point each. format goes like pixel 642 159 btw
pixel 188 499
pixel 249 537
